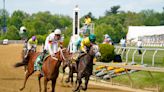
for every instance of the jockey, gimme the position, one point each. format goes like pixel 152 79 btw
pixel 85 46
pixel 23 33
pixel 86 43
pixel 53 41
pixel 78 42
pixel 107 39
pixel 87 20
pixel 32 42
pixel 87 23
pixel 51 47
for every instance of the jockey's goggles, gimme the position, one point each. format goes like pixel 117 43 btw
pixel 57 35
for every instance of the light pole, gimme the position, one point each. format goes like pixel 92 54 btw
pixel 4 16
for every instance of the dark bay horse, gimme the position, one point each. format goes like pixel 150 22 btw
pixel 70 62
pixel 66 62
pixel 50 68
pixel 72 69
pixel 85 67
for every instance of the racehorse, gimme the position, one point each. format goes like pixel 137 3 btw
pixel 72 69
pixel 85 67
pixel 66 63
pixel 50 68
pixel 25 52
pixel 70 62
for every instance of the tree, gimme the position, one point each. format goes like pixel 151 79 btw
pixel 12 33
pixel 17 18
pixel 150 18
pixel 113 10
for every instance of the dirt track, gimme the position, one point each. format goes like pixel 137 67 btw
pixel 11 79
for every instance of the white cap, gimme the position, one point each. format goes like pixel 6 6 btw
pixel 57 31
pixel 22 29
pixel 106 36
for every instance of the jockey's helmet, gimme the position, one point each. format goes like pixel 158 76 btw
pixel 106 36
pixel 23 29
pixel 33 38
pixel 57 32
pixel 92 38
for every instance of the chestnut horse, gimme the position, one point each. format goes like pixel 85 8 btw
pixel 50 68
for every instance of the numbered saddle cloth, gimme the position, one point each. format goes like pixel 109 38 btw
pixel 39 61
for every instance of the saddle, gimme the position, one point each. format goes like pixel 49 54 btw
pixel 39 61
pixel 74 57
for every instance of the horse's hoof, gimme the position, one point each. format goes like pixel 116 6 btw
pixel 84 89
pixel 21 89
pixel 74 90
pixel 67 81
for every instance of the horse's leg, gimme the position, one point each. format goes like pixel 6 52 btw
pixel 71 79
pixel 53 85
pixel 64 66
pixel 71 75
pixel 25 69
pixel 39 77
pixel 28 74
pixel 45 84
pixel 86 83
pixel 79 81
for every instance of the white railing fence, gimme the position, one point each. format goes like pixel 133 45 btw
pixel 131 52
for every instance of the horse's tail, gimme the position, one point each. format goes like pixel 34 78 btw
pixel 23 63
pixel 20 64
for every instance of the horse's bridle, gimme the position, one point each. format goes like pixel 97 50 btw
pixel 61 51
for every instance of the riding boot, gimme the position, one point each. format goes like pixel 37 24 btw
pixel 42 56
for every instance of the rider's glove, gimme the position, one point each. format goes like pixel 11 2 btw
pixel 53 54
pixel 61 46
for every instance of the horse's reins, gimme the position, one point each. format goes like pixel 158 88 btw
pixel 61 51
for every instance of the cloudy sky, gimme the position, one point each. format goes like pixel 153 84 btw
pixel 97 7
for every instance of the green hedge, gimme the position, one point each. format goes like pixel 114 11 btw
pixel 107 52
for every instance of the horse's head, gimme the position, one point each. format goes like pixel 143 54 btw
pixel 33 49
pixel 94 50
pixel 60 55
pixel 29 52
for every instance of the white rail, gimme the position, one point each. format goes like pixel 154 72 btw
pixel 124 51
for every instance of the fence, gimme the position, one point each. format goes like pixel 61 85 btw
pixel 150 56
pixel 13 41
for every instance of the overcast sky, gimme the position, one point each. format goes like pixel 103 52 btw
pixel 97 7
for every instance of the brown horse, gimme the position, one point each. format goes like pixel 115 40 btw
pixel 85 67
pixel 50 68
pixel 25 53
